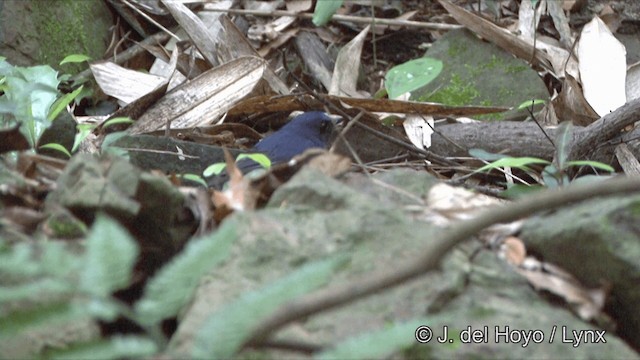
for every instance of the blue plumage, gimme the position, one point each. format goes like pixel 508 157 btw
pixel 312 129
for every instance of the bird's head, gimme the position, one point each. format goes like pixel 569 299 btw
pixel 315 126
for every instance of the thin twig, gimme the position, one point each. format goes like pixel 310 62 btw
pixel 430 256
pixel 337 17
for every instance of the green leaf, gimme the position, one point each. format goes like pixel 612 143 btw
pixel 530 103
pixel 195 178
pixel 62 103
pixel 83 131
pixel 46 314
pixel 595 164
pixel 485 155
pixel 214 169
pixel 225 331
pixel 110 256
pixel 173 286
pixel 376 344
pixel 117 347
pixel 564 138
pixel 57 147
pixel 411 75
pixel 117 120
pixel 324 11
pixel 514 162
pixel 51 287
pixel 261 159
pixel 74 58
pixel 106 147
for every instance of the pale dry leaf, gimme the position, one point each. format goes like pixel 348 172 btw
pixel 456 203
pixel 345 72
pixel 633 82
pixel 124 84
pixel 603 67
pixel 419 130
pixel 587 303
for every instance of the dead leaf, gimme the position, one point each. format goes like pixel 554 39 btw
pixel 124 84
pixel 633 82
pixel 603 67
pixel 205 98
pixel 345 72
pixel 570 105
pixel 419 130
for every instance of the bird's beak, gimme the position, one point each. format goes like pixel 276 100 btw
pixel 336 120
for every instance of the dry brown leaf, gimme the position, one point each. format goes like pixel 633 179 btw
pixel 587 303
pixel 570 104
pixel 513 251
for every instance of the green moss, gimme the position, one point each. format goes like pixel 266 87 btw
pixel 456 93
pixel 69 29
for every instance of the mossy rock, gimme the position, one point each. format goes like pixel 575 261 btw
pixel 36 32
pixel 479 73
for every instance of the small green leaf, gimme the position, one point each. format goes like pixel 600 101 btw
pixel 324 11
pixel 57 147
pixel 117 120
pixel 485 155
pixel 564 138
pixel 595 164
pixel 83 131
pixel 530 103
pixel 514 162
pixel 214 169
pixel 62 103
pixel 411 75
pixel 110 256
pixel 74 58
pixel 261 159
pixel 195 178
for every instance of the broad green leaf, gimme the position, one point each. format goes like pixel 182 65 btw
pixel 564 138
pixel 46 314
pixel 324 11
pixel 261 159
pixel 62 103
pixel 117 347
pixel 117 120
pixel 26 291
pixel 57 147
pixel 173 286
pixel 553 178
pixel 214 169
pixel 224 332
pixel 376 344
pixel 411 75
pixel 195 178
pixel 110 256
pixel 514 162
pixel 106 147
pixel 595 164
pixel 74 58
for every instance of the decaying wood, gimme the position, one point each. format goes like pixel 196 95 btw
pixel 594 142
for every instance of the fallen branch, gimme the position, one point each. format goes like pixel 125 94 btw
pixel 430 256
pixel 336 17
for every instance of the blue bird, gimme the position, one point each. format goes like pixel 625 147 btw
pixel 312 129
